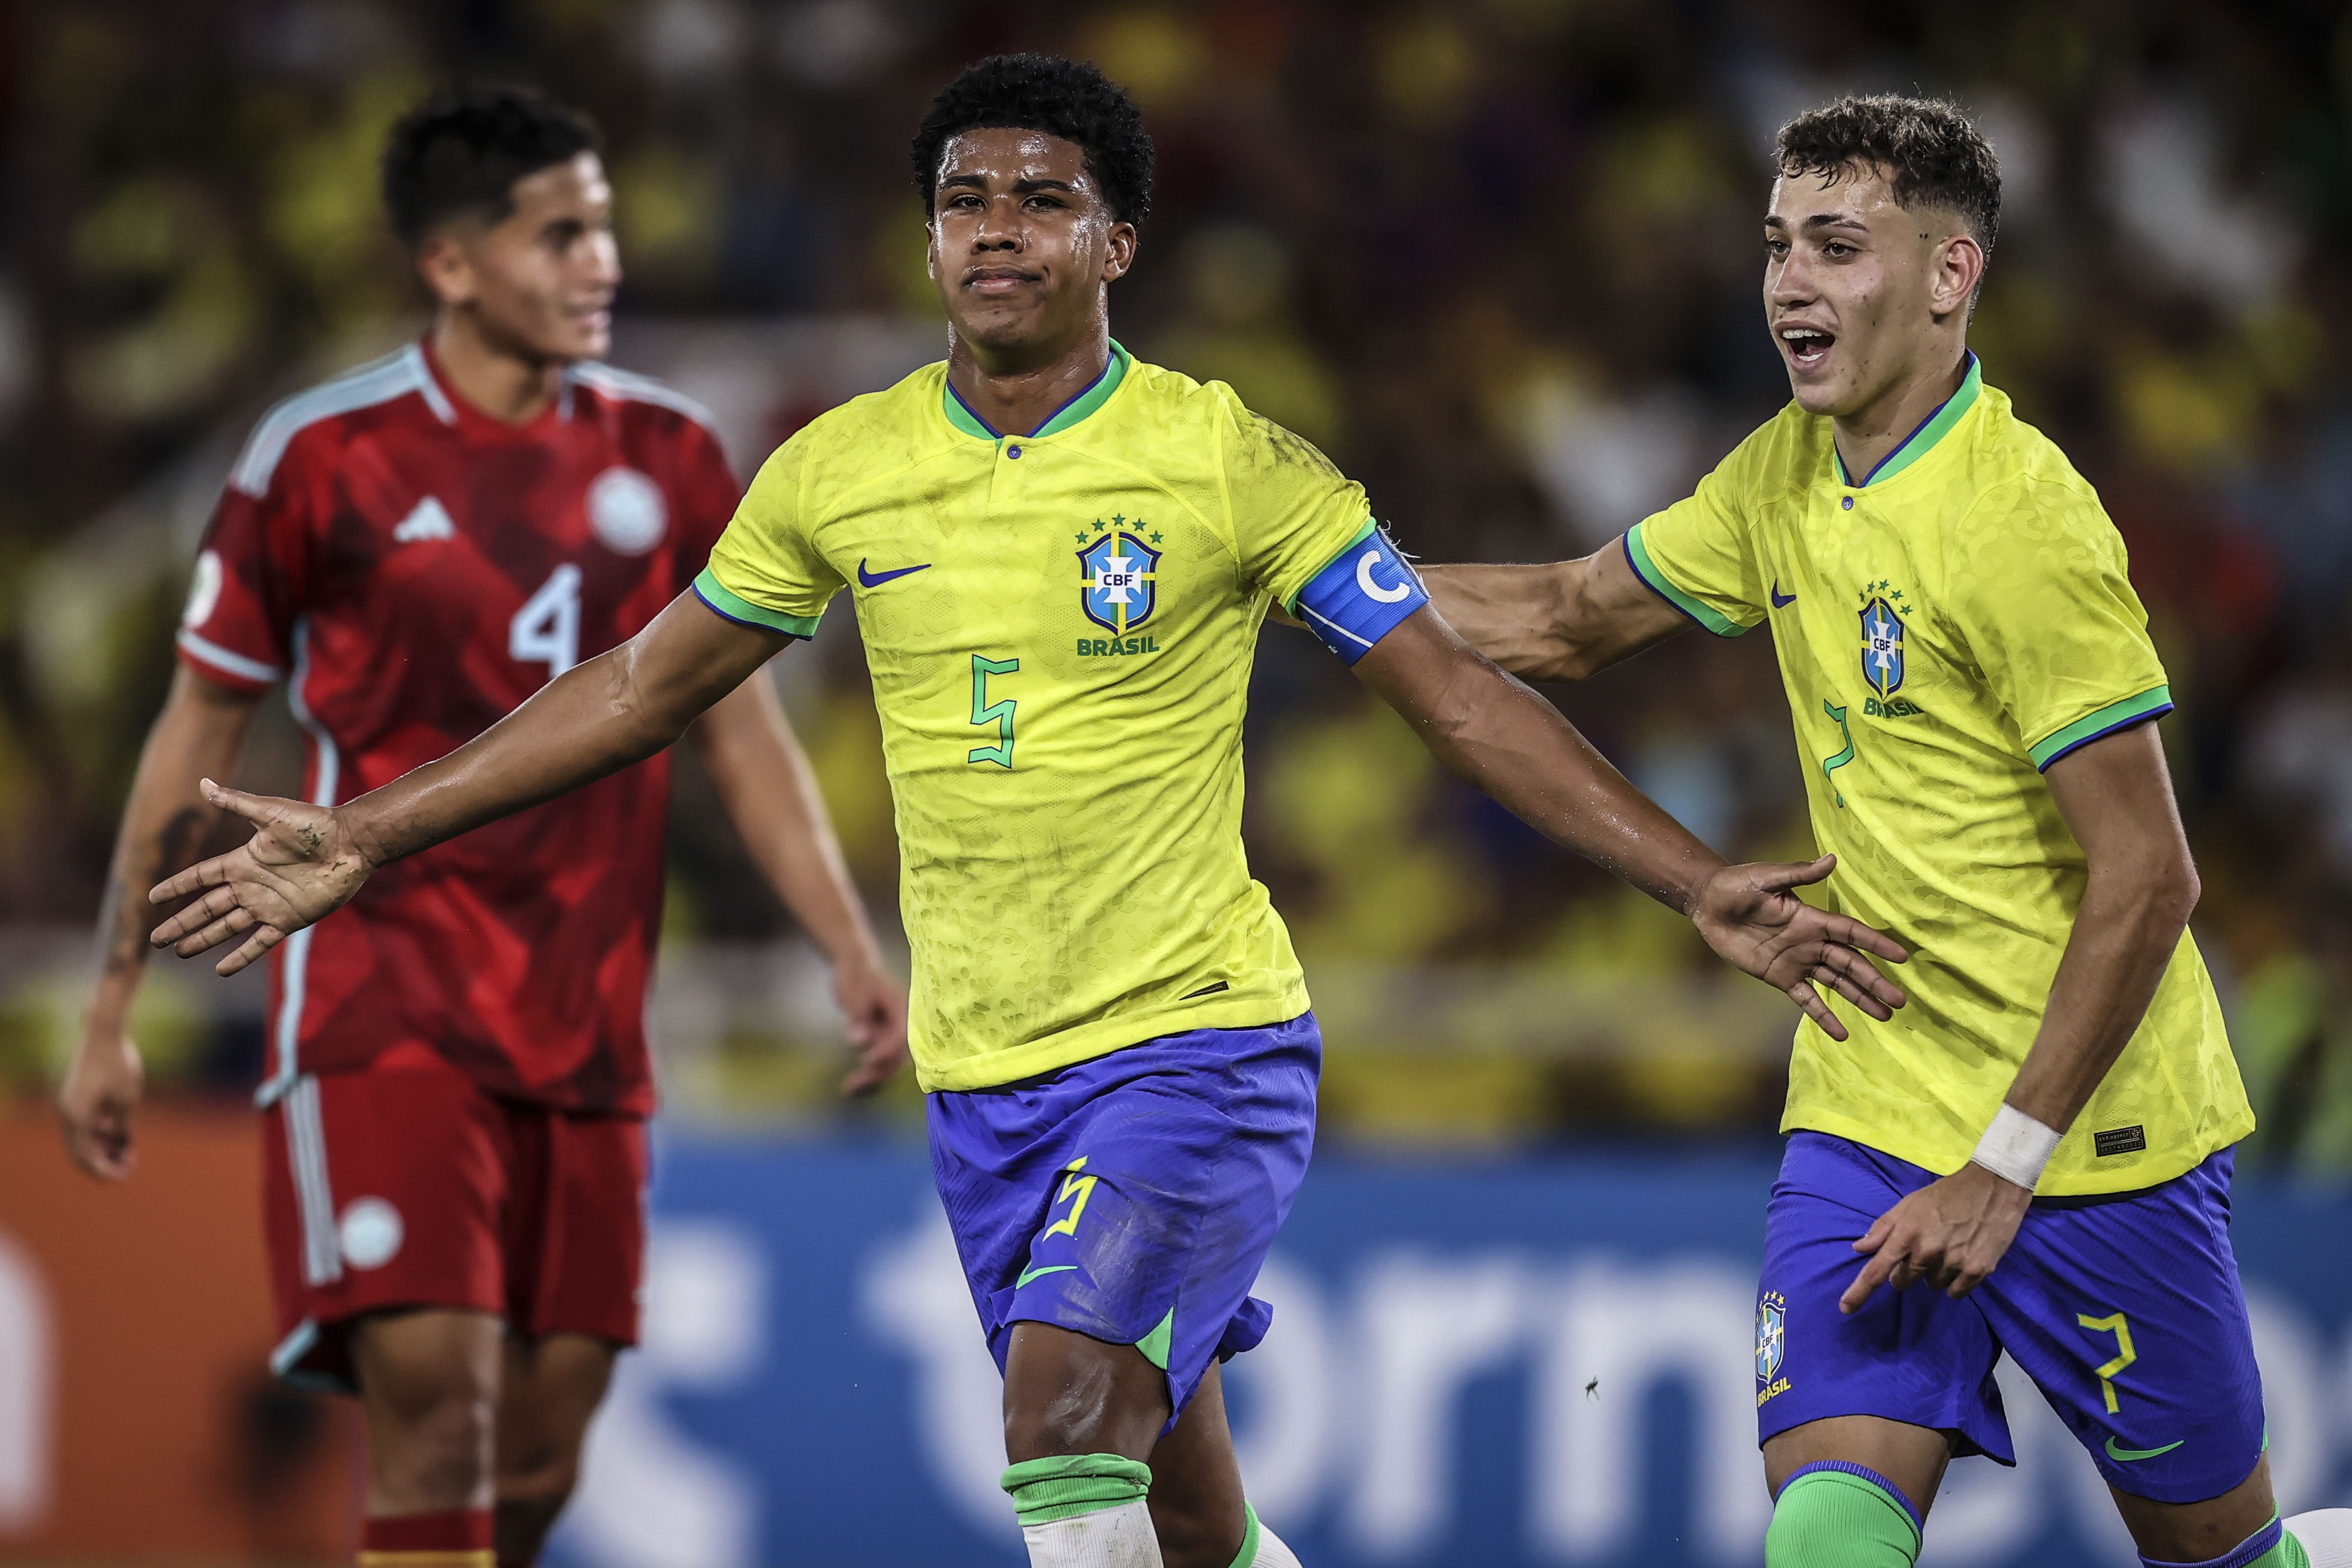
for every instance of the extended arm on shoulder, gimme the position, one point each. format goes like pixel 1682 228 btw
pixel 1562 621
pixel 1498 735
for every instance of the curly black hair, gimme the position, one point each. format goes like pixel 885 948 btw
pixel 1933 155
pixel 461 151
pixel 1060 97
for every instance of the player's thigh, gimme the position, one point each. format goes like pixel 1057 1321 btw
pixel 1198 1509
pixel 1913 1457
pixel 1131 1200
pixel 551 1387
pixel 1909 1377
pixel 1066 1393
pixel 2129 1316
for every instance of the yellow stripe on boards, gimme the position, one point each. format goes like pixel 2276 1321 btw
pixel 482 1557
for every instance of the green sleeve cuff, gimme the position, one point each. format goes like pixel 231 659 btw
pixel 1637 556
pixel 732 606
pixel 2151 703
pixel 1290 605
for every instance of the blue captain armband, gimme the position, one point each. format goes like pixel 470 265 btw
pixel 1361 597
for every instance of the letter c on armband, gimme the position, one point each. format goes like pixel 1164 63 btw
pixel 1350 608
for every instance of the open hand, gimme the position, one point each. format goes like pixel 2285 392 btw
pixel 102 1086
pixel 298 867
pixel 1949 1234
pixel 1751 915
pixel 877 1011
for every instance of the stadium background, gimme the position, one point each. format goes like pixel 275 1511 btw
pixel 1497 257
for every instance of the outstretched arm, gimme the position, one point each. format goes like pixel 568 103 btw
pixel 200 731
pixel 2116 795
pixel 1499 736
pixel 1559 622
pixel 769 791
pixel 304 861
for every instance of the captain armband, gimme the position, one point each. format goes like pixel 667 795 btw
pixel 2016 1147
pixel 1362 596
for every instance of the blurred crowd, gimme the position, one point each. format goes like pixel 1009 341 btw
pixel 1499 257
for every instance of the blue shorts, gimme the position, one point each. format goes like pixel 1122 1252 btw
pixel 2126 1311
pixel 1133 1198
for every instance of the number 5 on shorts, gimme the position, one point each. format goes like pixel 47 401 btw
pixel 2114 1324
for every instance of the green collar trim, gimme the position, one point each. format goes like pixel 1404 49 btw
pixel 1932 429
pixel 1098 393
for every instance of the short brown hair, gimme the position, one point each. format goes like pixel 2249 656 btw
pixel 1932 155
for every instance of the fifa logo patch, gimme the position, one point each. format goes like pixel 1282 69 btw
pixel 1771 1339
pixel 1882 639
pixel 1118 575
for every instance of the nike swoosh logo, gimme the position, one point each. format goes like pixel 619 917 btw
pixel 1781 601
pixel 1064 1268
pixel 877 579
pixel 2125 1456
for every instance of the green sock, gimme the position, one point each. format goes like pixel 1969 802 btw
pixel 1840 1517
pixel 1248 1554
pixel 1067 1486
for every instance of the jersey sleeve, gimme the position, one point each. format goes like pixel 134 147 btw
pixel 1291 511
pixel 1695 554
pixel 2038 581
pixel 765 570
pixel 246 590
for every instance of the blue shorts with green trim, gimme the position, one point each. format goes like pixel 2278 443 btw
pixel 2125 1310
pixel 1133 1198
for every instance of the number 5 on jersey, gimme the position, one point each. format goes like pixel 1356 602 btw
pixel 998 712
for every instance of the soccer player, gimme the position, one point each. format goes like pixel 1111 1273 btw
pixel 457 1075
pixel 1060 558
pixel 1974 693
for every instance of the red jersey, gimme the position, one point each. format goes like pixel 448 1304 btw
pixel 413 570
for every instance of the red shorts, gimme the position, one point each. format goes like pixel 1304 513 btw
pixel 414 1187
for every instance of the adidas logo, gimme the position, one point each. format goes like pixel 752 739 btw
pixel 429 521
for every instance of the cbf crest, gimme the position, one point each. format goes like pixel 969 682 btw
pixel 1118 575
pixel 1771 1336
pixel 1883 633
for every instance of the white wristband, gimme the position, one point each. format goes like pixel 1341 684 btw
pixel 2016 1147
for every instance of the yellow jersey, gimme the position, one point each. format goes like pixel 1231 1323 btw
pixel 1060 628
pixel 1947 629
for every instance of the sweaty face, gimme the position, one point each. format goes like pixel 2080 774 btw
pixel 542 279
pixel 1022 241
pixel 1851 288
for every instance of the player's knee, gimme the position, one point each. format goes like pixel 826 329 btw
pixel 1840 1517
pixel 1081 1398
pixel 542 1488
pixel 436 1452
pixel 1070 1424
